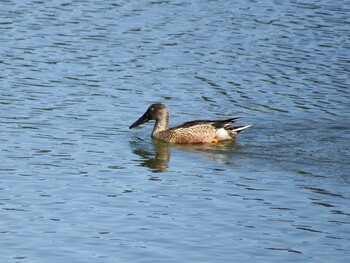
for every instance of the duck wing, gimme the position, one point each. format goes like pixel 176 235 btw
pixel 215 123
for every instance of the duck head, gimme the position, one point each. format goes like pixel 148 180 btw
pixel 157 112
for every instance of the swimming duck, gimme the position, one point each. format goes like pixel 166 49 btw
pixel 200 131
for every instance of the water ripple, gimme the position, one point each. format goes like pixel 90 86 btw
pixel 76 183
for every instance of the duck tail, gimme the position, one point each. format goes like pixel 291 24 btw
pixel 237 129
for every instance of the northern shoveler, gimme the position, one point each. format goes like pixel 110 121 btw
pixel 200 131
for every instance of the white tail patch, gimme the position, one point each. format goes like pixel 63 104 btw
pixel 241 128
pixel 223 134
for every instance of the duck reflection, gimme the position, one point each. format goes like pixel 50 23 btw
pixel 156 155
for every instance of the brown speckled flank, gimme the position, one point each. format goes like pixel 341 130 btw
pixel 200 131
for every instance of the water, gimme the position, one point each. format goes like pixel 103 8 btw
pixel 76 185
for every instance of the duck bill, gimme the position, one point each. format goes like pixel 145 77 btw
pixel 144 118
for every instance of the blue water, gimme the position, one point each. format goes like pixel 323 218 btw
pixel 76 185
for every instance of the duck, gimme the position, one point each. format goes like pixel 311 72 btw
pixel 198 131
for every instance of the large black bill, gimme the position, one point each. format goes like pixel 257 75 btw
pixel 144 118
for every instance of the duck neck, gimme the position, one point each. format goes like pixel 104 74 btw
pixel 161 124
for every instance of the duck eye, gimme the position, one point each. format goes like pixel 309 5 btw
pixel 152 109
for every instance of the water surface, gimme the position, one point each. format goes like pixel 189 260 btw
pixel 77 185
